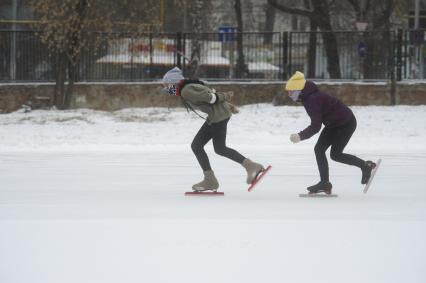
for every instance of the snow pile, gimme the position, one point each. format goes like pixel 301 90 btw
pixel 394 128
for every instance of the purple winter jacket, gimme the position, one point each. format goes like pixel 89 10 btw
pixel 322 108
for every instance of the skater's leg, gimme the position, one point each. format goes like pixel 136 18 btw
pixel 340 140
pixel 219 131
pixel 323 143
pixel 201 138
pixel 219 143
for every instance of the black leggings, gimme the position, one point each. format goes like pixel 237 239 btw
pixel 337 138
pixel 217 132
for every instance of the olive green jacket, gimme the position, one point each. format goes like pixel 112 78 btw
pixel 199 97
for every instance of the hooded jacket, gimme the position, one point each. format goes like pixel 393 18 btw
pixel 198 96
pixel 322 108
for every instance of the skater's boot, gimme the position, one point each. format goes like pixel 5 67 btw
pixel 366 171
pixel 253 169
pixel 209 183
pixel 322 186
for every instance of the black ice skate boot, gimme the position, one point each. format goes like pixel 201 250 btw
pixel 366 171
pixel 321 187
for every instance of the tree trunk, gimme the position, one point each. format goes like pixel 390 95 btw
pixel 241 69
pixel 70 87
pixel 58 98
pixel 74 50
pixel 193 67
pixel 312 50
pixel 332 53
pixel 320 15
pixel 269 24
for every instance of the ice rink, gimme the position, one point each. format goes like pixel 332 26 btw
pixel 89 196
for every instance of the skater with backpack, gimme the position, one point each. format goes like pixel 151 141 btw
pixel 195 96
pixel 339 125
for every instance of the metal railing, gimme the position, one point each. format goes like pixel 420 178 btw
pixel 374 55
pixel 343 55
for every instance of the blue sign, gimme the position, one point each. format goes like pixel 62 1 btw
pixel 227 34
pixel 362 49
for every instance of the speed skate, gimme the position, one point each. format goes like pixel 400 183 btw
pixel 373 173
pixel 259 177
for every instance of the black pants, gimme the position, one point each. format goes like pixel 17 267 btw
pixel 337 138
pixel 217 132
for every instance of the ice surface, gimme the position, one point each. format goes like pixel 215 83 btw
pixel 89 196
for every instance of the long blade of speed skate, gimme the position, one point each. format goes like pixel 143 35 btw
pixel 204 193
pixel 317 195
pixel 373 173
pixel 261 175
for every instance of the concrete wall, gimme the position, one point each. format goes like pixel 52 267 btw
pixel 118 96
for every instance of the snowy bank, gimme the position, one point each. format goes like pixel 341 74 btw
pixel 394 128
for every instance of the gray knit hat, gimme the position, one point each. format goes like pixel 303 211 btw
pixel 173 76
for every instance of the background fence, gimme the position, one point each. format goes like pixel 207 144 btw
pixel 223 56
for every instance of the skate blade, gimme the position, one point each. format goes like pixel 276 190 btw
pixel 260 175
pixel 317 195
pixel 203 190
pixel 204 193
pixel 373 173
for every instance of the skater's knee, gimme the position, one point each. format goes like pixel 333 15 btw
pixel 220 150
pixel 196 147
pixel 319 149
pixel 335 155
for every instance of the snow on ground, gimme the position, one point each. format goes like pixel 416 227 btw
pixel 90 196
pixel 395 128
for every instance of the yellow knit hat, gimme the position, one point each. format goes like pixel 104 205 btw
pixel 296 82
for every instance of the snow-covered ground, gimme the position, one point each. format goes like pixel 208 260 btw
pixel 89 196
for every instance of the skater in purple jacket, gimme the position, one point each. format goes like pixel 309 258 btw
pixel 339 125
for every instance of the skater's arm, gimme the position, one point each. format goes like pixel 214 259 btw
pixel 314 111
pixel 196 94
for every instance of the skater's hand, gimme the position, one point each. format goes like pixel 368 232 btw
pixel 233 108
pixel 224 96
pixel 295 138
pixel 228 95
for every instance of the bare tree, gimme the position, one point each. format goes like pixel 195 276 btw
pixel 377 15
pixel 312 44
pixel 196 11
pixel 269 23
pixel 68 28
pixel 63 22
pixel 320 15
pixel 241 69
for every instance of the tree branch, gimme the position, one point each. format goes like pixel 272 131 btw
pixel 307 4
pixel 385 15
pixel 355 5
pixel 289 10
pixel 367 6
